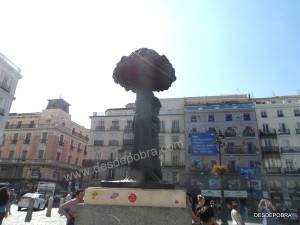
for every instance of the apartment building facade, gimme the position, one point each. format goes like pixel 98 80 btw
pixel 42 146
pixel 260 146
pixel 278 121
pixel 112 139
pixel 234 116
pixel 10 74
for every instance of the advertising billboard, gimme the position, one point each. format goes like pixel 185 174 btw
pixel 203 144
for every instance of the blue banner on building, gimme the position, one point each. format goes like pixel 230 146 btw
pixel 203 144
pixel 248 172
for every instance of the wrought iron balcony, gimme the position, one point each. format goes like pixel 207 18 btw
pixel 99 143
pixel 290 149
pixel 283 131
pixel 267 133
pixel 273 170
pixel 100 128
pixel 175 130
pixel 270 150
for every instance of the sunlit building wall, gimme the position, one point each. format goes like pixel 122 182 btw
pixel 9 77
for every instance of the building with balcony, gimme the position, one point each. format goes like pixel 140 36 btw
pixel 9 77
pixel 112 140
pixel 278 120
pixel 235 117
pixel 43 146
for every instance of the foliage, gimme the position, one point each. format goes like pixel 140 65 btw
pixel 220 170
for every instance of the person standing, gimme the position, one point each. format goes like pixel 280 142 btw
pixel 69 209
pixel 207 216
pixel 235 216
pixel 266 206
pixel 3 204
pixel 11 198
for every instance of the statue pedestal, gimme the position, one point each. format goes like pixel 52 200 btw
pixel 128 206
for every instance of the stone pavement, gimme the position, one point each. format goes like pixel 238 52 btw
pixel 38 217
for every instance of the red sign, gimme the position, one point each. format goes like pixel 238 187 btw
pixel 132 197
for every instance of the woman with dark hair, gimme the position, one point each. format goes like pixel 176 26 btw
pixel 207 216
pixel 3 203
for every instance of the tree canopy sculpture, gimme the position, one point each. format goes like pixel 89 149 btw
pixel 143 72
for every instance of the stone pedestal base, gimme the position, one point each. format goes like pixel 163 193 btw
pixel 133 206
pixel 131 215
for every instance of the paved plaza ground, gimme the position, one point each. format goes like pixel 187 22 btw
pixel 39 218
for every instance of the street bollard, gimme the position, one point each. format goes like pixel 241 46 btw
pixel 61 201
pixel 29 210
pixel 49 208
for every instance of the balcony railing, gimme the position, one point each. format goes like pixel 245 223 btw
pixel 99 143
pixel 26 141
pixel 230 134
pixel 291 171
pixel 267 133
pixel 100 128
pixel 290 149
pixel 273 170
pixel 173 164
pixel 113 142
pixel 114 128
pixel 239 150
pixel 14 141
pixel 127 141
pixel 270 150
pixel 283 131
pixel 200 170
pixel 175 130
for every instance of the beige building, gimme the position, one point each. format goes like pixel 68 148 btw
pixel 43 146
pixel 9 77
pixel 112 139
pixel 278 120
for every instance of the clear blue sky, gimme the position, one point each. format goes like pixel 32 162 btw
pixel 69 48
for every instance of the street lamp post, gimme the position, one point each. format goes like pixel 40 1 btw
pixel 219 142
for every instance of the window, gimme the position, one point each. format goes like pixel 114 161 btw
pixel 24 154
pixel 297 112
pixel 69 159
pixel 280 113
pixel 175 159
pixel 193 118
pixel 58 154
pixel 211 118
pixel 61 140
pixel 161 140
pixel 175 125
pixel 289 165
pixel 11 154
pixel 228 117
pixel 44 137
pixel 41 154
pixel 176 142
pixel 56 173
pixel 264 114
pixel 27 138
pixel 212 130
pixel 76 161
pixel 19 124
pixel 265 127
pixel 247 117
pixel 162 126
pixel 31 124
pixel 175 177
pixel 113 155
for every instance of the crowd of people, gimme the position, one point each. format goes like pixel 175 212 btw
pixel 208 212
